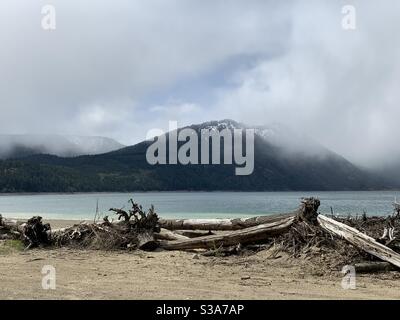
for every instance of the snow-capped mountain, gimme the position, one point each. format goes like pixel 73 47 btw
pixel 276 134
pixel 17 146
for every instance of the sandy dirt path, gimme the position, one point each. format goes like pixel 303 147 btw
pixel 177 275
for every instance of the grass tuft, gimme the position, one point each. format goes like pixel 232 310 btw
pixel 9 246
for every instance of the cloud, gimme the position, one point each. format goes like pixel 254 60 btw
pixel 338 86
pixel 106 53
pixel 124 67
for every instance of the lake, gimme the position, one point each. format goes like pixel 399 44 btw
pixel 193 204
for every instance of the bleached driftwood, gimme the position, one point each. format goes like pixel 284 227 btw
pixel 221 224
pixel 11 225
pixel 194 233
pixel 359 239
pixel 165 234
pixel 248 235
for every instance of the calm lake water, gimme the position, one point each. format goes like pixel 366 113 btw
pixel 193 204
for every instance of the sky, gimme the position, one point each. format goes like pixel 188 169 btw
pixel 121 68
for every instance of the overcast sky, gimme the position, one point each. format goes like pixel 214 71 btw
pixel 120 68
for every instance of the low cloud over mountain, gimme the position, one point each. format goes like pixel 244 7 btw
pixel 17 146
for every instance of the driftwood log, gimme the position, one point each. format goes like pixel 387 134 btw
pixel 193 233
pixel 246 231
pixel 370 267
pixel 244 236
pixel 7 225
pixel 359 240
pixel 221 224
pixel 10 229
pixel 165 234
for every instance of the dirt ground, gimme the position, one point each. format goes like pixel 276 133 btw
pixel 89 274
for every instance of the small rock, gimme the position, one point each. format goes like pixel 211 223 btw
pixel 245 278
pixel 196 256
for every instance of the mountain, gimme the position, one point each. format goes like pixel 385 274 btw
pixel 17 146
pixel 284 160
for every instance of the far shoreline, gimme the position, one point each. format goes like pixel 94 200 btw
pixel 184 191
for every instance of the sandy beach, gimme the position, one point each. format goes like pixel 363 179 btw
pixel 92 274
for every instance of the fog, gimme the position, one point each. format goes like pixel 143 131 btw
pixel 15 146
pixel 120 68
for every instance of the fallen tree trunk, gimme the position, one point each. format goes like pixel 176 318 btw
pixel 165 234
pixel 359 239
pixel 193 233
pixel 370 267
pixel 248 235
pixel 221 224
pixel 11 225
pixel 146 241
